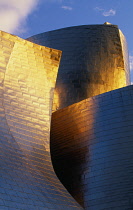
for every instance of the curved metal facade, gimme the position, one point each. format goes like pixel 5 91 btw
pixel 92 61
pixel 27 79
pixel 92 150
pixel 91 140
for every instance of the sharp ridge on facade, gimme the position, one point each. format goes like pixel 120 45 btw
pixel 66 120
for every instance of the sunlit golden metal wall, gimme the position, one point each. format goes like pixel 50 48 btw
pixel 125 56
pixel 92 62
pixel 27 79
pixel 92 150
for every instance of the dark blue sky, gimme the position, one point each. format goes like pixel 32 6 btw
pixel 54 14
pixel 28 17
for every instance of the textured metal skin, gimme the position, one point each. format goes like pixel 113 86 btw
pixel 92 150
pixel 94 61
pixel 27 79
pixel 125 56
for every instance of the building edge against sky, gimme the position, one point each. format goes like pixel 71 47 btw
pixel 27 78
pixel 94 61
pixel 88 138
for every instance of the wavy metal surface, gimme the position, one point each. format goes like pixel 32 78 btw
pixel 92 150
pixel 27 79
pixel 94 61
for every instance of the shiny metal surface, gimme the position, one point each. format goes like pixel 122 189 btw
pixel 92 150
pixel 94 61
pixel 91 141
pixel 125 56
pixel 27 79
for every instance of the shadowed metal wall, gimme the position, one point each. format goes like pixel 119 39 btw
pixel 92 150
pixel 27 79
pixel 94 61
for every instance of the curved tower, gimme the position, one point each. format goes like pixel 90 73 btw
pixel 27 79
pixel 91 133
pixel 92 150
pixel 94 61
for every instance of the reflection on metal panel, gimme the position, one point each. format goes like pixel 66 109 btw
pixel 92 61
pixel 27 79
pixel 125 57
pixel 91 147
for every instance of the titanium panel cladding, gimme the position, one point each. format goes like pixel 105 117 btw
pixel 92 63
pixel 92 150
pixel 27 79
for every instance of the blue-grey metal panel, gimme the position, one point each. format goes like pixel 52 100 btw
pixel 92 150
